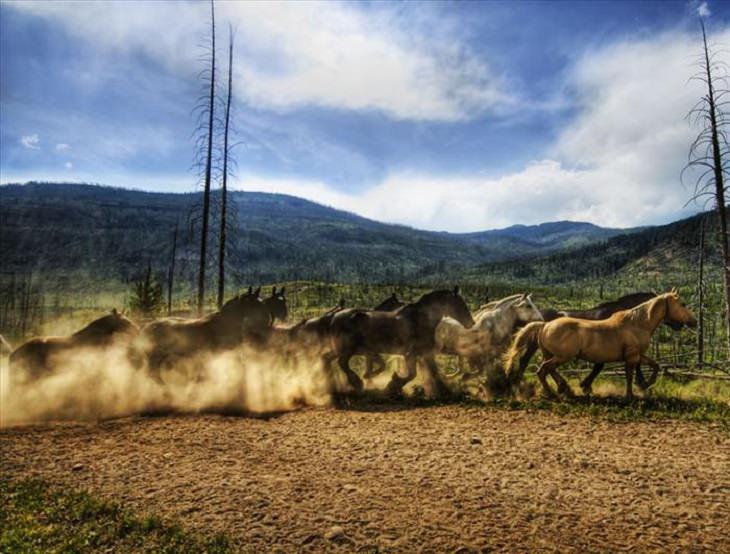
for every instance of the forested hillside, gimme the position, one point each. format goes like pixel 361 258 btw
pixel 113 233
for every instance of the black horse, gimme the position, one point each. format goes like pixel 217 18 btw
pixel 242 320
pixel 408 331
pixel 388 305
pixel 602 311
pixel 277 305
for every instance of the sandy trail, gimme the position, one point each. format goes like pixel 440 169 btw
pixel 400 479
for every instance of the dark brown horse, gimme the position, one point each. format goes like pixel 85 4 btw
pixel 600 312
pixel 388 305
pixel 408 331
pixel 243 319
pixel 36 357
pixel 277 305
pixel 312 334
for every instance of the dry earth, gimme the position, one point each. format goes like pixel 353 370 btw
pixel 397 479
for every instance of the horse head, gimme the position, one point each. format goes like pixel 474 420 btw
pixel 525 310
pixel 441 303
pixel 389 304
pixel 248 313
pixel 277 305
pixel 677 311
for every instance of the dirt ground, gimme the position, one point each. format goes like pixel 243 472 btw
pixel 401 479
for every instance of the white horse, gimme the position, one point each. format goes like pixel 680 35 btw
pixel 489 338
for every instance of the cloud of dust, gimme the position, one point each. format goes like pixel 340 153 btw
pixel 102 383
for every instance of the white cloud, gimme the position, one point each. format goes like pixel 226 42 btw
pixel 617 163
pixel 30 141
pixel 68 165
pixel 307 53
pixel 703 10
pixel 62 147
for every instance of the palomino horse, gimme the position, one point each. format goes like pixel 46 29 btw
pixel 36 357
pixel 388 305
pixel 490 336
pixel 408 331
pixel 602 311
pixel 243 318
pixel 623 337
pixel 276 304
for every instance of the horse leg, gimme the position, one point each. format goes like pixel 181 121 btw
pixel 395 387
pixel 370 362
pixel 587 384
pixel 434 379
pixel 629 380
pixel 542 372
pixel 563 386
pixel 644 384
pixel 352 377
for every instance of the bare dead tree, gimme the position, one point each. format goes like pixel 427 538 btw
pixel 709 154
pixel 171 271
pixel 224 185
pixel 701 299
pixel 208 168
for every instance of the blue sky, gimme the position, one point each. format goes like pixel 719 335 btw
pixel 448 116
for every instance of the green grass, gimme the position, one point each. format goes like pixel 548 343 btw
pixel 37 518
pixel 698 400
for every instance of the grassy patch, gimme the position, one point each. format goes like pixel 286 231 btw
pixel 37 518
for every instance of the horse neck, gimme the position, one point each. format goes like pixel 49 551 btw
pixel 503 320
pixel 424 309
pixel 651 313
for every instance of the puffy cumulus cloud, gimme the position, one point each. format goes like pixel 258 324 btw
pixel 617 163
pixel 30 141
pixel 544 190
pixel 291 54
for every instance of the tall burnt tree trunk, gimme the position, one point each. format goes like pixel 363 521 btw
pixel 707 153
pixel 208 170
pixel 719 182
pixel 224 187
pixel 701 300
pixel 171 272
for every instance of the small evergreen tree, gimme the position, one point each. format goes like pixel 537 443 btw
pixel 147 298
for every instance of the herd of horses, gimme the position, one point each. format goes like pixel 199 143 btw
pixel 497 340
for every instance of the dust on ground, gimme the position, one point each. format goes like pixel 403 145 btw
pixel 393 478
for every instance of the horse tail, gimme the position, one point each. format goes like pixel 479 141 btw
pixel 525 341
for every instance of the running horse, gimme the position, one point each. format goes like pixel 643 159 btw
pixel 489 338
pixel 388 305
pixel 408 331
pixel 277 305
pixel 244 319
pixel 602 311
pixel 36 357
pixel 623 337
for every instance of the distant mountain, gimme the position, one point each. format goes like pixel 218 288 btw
pixel 662 253
pixel 112 233
pixel 553 235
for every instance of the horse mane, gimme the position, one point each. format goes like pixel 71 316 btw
pixel 627 297
pixel 101 325
pixel 642 311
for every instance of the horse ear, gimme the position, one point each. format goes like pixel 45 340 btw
pixel 281 291
pixel 257 292
pixel 114 311
pixel 250 290
pixel 456 290
pixel 524 296
pixel 273 291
